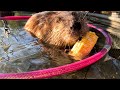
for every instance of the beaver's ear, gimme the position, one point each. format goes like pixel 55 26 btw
pixel 74 14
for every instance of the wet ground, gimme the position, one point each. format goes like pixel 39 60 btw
pixel 20 52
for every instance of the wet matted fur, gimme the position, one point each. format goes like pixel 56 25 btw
pixel 58 28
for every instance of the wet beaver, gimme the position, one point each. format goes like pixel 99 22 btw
pixel 58 28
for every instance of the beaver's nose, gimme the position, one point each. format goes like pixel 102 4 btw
pixel 76 26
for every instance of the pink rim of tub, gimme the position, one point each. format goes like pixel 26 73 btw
pixel 51 72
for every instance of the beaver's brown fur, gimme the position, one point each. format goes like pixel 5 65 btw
pixel 58 28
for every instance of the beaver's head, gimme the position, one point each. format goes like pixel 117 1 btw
pixel 58 28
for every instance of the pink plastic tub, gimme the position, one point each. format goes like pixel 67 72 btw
pixel 50 72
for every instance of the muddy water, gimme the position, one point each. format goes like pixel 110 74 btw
pixel 20 52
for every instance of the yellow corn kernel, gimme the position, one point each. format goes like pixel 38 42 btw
pixel 83 47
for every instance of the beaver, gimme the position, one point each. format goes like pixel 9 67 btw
pixel 58 28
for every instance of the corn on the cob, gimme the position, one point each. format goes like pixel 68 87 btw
pixel 83 47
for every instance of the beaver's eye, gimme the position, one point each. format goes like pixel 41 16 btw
pixel 76 26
